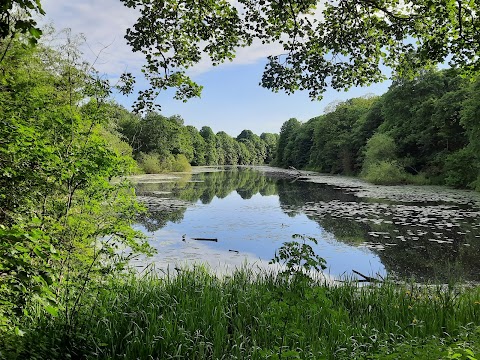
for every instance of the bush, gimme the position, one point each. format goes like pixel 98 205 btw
pixel 386 172
pixel 380 147
pixel 150 163
pixel 461 169
pixel 181 164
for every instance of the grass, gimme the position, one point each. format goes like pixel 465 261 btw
pixel 196 315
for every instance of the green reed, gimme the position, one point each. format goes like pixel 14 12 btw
pixel 196 315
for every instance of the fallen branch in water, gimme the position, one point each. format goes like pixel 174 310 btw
pixel 365 277
pixel 205 239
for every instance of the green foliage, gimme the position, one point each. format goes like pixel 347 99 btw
pixel 286 142
pixel 423 130
pixel 470 114
pixel 181 164
pixel 335 144
pixel 153 164
pixel 299 258
pixel 19 16
pixel 196 315
pixel 380 147
pixel 423 117
pixel 271 141
pixel 387 172
pixel 462 168
pixel 26 268
pixel 149 163
pixel 338 44
pixel 380 165
pixel 165 139
pixel 62 219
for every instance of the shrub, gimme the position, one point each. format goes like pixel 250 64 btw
pixel 150 163
pixel 386 172
pixel 380 147
pixel 181 164
pixel 461 169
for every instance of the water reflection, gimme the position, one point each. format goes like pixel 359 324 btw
pixel 253 214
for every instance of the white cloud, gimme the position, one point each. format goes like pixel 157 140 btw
pixel 104 24
pixel 244 56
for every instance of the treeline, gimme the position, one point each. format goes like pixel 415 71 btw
pixel 165 144
pixel 425 130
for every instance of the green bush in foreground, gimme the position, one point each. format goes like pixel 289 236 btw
pixel 196 315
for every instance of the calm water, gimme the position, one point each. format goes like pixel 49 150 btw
pixel 427 233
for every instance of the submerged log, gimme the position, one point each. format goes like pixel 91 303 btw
pixel 206 239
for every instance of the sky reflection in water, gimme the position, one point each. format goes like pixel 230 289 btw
pixel 255 227
pixel 254 214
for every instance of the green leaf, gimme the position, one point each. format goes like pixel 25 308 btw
pixel 52 310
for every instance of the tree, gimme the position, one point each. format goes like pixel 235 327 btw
pixel 339 44
pixel 422 115
pixel 17 16
pixel 198 144
pixel 470 116
pixel 270 141
pixel 285 142
pixel 303 143
pixel 334 146
pixel 381 165
pixel 59 217
pixel 255 145
pixel 227 154
pixel 211 157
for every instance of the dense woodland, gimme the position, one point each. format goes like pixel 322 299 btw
pixel 424 130
pixel 165 144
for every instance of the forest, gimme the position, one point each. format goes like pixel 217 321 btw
pixel 68 209
pixel 422 131
pixel 162 143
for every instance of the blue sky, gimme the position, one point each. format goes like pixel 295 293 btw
pixel 231 100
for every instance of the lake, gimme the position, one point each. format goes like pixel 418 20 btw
pixel 426 233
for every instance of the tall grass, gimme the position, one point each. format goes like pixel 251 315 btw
pixel 195 315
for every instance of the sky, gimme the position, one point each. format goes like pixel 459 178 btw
pixel 232 99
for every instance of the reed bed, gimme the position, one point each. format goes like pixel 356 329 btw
pixel 196 315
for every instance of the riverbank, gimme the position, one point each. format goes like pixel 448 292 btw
pixel 195 315
pixel 363 189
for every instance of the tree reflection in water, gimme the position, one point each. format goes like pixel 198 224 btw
pixel 406 249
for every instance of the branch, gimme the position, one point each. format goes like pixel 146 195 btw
pixel 385 10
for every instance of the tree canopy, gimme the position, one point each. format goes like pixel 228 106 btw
pixel 335 44
pixel 323 44
pixel 18 16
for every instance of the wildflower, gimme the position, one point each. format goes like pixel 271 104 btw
pixel 477 302
pixel 414 321
pixel 410 307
